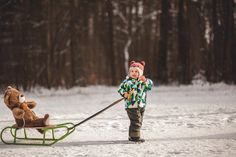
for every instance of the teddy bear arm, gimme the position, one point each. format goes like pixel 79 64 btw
pixel 31 104
pixel 24 106
pixel 18 113
pixel 11 106
pixel 30 115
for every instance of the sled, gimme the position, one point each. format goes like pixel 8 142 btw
pixel 51 133
pixel 49 136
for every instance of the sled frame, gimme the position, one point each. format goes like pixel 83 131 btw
pixel 43 141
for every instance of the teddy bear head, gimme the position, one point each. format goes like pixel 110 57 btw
pixel 13 98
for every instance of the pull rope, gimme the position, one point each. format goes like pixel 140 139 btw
pixel 116 102
pixel 23 120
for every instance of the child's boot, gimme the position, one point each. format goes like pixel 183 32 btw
pixel 136 139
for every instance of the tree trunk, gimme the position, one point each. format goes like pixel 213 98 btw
pixel 111 44
pixel 164 27
pixel 183 45
pixel 49 44
pixel 197 46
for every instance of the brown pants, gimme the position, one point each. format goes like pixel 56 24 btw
pixel 136 120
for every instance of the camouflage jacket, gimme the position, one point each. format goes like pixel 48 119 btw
pixel 137 92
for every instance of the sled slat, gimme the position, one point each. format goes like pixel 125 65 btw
pixel 35 127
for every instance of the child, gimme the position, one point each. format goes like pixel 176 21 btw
pixel 134 89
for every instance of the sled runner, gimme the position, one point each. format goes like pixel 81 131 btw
pixel 51 134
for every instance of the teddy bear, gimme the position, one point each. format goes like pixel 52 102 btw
pixel 22 110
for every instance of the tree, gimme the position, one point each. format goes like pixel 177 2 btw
pixel 183 45
pixel 163 42
pixel 130 24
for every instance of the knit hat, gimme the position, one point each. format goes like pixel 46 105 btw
pixel 139 66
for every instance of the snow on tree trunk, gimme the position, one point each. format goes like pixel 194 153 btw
pixel 126 54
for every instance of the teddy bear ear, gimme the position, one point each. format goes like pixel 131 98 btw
pixel 6 97
pixel 132 62
pixel 143 63
pixel 9 87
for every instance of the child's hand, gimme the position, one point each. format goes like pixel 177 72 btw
pixel 126 95
pixel 142 78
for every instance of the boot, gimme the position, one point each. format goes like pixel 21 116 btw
pixel 136 139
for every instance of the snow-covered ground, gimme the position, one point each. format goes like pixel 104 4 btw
pixel 179 121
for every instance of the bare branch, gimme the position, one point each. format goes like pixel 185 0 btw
pixel 125 31
pixel 148 16
pixel 117 12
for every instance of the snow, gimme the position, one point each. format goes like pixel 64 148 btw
pixel 207 31
pixel 195 120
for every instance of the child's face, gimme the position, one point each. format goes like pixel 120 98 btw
pixel 133 72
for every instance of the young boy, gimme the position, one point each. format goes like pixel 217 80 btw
pixel 134 89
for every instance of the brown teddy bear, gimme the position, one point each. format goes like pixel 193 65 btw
pixel 21 109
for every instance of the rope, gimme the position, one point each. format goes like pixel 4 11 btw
pixel 117 101
pixel 23 120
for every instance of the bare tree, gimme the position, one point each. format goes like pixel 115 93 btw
pixel 130 25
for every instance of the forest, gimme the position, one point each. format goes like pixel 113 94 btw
pixel 67 43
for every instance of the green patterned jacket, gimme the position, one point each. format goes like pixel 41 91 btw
pixel 137 92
